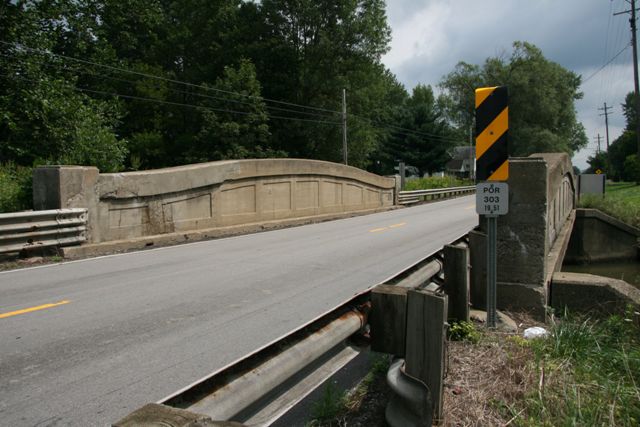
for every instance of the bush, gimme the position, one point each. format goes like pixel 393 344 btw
pixel 15 188
pixel 631 169
pixel 464 331
pixel 435 182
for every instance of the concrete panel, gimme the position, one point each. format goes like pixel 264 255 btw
pixel 275 197
pixel 307 195
pixel 372 197
pixel 239 200
pixel 330 193
pixel 353 195
pixel 190 208
pixel 128 216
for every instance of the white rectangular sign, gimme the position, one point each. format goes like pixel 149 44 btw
pixel 492 198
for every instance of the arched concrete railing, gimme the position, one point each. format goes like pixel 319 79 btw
pixel 208 195
pixel 533 236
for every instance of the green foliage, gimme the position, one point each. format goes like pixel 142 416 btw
pixel 464 331
pixel 330 404
pixel 15 188
pixel 435 182
pixel 621 200
pixel 591 371
pixel 631 169
pixel 542 114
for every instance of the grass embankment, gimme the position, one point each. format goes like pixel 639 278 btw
pixel 621 200
pixel 435 182
pixel 585 373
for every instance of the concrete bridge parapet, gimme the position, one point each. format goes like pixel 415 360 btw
pixel 203 196
pixel 532 237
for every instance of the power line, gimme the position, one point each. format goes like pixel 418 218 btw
pixel 178 104
pixel 124 70
pixel 608 62
pixel 404 131
pixel 102 76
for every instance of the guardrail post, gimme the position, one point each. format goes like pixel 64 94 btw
pixel 456 281
pixel 426 350
pixel 388 319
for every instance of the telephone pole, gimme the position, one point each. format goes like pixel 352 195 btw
pixel 606 122
pixel 632 21
pixel 598 138
pixel 345 153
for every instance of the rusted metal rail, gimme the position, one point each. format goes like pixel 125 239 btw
pixel 39 229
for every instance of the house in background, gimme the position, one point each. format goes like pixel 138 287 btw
pixel 462 163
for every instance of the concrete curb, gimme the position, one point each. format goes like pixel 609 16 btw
pixel 169 239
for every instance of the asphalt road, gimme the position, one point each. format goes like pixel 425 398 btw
pixel 86 342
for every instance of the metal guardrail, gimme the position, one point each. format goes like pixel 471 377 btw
pixel 260 387
pixel 416 196
pixel 38 229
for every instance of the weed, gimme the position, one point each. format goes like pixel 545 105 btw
pixel 330 404
pixel 464 331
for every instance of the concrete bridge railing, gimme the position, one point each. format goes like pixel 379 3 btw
pixel 532 237
pixel 202 196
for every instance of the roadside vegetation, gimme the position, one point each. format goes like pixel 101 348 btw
pixel 435 182
pixel 586 372
pixel 15 188
pixel 621 201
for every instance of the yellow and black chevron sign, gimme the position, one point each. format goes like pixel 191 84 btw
pixel 492 130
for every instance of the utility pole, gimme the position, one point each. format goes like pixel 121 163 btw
pixel 606 122
pixel 472 154
pixel 632 21
pixel 598 138
pixel 345 153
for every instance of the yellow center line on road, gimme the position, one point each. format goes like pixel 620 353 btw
pixel 31 309
pixel 469 207
pixel 398 225
pixel 377 230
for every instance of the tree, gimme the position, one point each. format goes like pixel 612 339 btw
pixel 430 137
pixel 624 145
pixel 45 116
pixel 241 134
pixel 542 115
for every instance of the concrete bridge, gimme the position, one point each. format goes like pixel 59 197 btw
pixel 86 342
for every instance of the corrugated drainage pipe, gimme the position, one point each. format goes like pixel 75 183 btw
pixel 410 405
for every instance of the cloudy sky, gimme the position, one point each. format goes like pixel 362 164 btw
pixel 431 36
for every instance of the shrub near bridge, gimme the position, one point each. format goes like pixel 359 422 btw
pixel 435 182
pixel 15 188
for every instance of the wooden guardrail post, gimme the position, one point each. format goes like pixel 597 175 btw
pixel 388 319
pixel 456 281
pixel 425 348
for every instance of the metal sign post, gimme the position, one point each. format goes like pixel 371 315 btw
pixel 492 158
pixel 492 200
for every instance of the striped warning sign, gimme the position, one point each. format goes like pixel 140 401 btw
pixel 492 132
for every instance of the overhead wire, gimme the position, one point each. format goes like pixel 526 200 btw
pixel 200 95
pixel 389 127
pixel 166 79
pixel 179 104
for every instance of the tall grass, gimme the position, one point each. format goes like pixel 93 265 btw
pixel 589 373
pixel 621 200
pixel 435 182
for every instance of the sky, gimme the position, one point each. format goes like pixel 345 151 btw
pixel 429 37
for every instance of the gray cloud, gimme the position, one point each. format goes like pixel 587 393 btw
pixel 431 37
